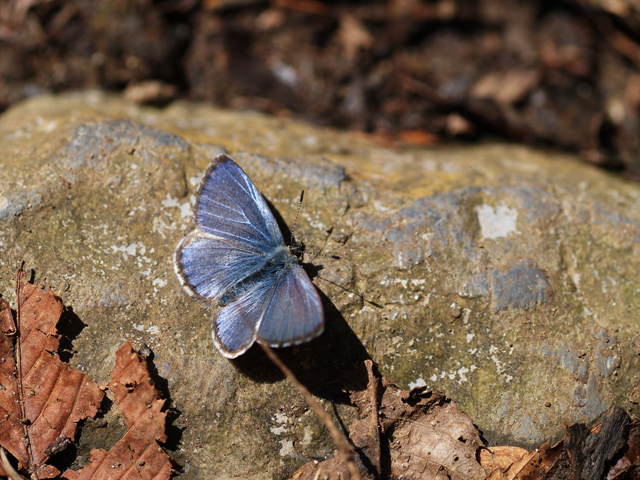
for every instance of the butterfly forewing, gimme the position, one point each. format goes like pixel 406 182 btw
pixel 229 206
pixel 208 265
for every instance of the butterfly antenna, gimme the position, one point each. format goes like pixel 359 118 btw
pixel 301 247
pixel 326 255
pixel 295 222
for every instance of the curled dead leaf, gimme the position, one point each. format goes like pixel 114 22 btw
pixel 425 434
pixel 137 454
pixel 42 398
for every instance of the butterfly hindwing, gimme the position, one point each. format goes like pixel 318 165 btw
pixel 235 329
pixel 294 313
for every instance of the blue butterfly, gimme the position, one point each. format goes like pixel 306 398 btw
pixel 236 260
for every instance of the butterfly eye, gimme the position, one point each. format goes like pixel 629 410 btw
pixel 298 250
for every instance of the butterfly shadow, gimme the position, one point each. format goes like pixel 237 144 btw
pixel 318 364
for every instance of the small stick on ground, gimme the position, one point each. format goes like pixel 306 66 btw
pixel 344 447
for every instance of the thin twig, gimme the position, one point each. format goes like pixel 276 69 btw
pixel 23 409
pixel 8 468
pixel 373 392
pixel 344 447
pixel 344 289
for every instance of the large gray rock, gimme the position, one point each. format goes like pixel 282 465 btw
pixel 503 276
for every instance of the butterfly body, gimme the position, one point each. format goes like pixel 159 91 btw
pixel 236 260
pixel 275 266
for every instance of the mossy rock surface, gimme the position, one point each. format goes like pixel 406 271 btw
pixel 503 276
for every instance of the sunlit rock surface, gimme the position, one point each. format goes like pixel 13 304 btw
pixel 503 276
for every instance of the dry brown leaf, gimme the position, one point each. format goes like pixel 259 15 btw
pixel 353 36
pixel 150 92
pixel 425 434
pixel 587 454
pixel 504 463
pixel 506 88
pixel 54 396
pixel 540 462
pixel 417 138
pixel 137 454
pixel 629 459
pixel 428 435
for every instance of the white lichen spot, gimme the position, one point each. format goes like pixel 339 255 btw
pixel 307 437
pixel 497 362
pixel 185 210
pixel 153 330
pixel 366 309
pixel 498 222
pixel 462 371
pixel 170 202
pixel 380 207
pixel 401 281
pixel 130 250
pixel 286 448
pixel 159 282
pixel 470 336
pixel 310 141
pixel 283 421
pixel 4 202
pixel 50 126
pixel 418 383
pixel 140 327
pixel 159 225
pixel 500 368
pixel 426 236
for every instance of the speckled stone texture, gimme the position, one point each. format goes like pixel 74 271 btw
pixel 503 276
